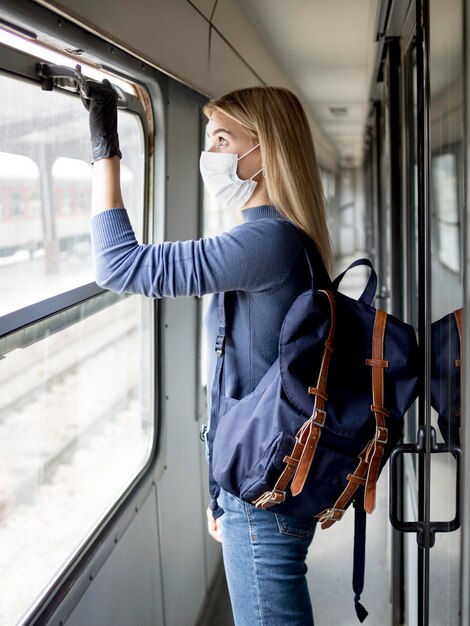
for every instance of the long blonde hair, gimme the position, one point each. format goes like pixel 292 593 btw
pixel 274 117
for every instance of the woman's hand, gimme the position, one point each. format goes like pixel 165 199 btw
pixel 214 526
pixel 102 104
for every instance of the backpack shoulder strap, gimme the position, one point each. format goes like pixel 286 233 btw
pixel 219 347
pixel 319 277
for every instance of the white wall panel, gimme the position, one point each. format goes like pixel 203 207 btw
pixel 205 6
pixel 226 70
pixel 230 19
pixel 127 589
pixel 182 510
pixel 212 547
pixel 232 22
pixel 173 36
pixel 169 34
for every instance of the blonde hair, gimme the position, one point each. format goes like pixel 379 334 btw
pixel 274 117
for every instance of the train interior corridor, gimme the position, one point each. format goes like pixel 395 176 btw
pixel 103 395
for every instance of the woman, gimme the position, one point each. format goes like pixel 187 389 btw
pixel 261 160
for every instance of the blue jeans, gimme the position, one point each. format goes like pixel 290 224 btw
pixel 264 558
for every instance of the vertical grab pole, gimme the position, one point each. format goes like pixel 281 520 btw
pixel 465 493
pixel 424 290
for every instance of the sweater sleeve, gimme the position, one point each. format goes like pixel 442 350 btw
pixel 255 256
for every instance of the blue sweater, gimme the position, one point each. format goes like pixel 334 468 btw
pixel 261 262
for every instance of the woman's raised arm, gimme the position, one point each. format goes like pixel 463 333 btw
pixel 106 193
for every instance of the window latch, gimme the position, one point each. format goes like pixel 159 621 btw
pixel 71 79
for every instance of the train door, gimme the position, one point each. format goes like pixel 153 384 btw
pixel 425 469
pixel 415 170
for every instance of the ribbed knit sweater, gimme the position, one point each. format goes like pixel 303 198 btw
pixel 260 262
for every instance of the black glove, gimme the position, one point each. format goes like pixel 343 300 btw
pixel 102 104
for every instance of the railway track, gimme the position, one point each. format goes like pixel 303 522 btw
pixel 65 394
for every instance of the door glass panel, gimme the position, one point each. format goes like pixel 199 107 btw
pixel 410 461
pixel 446 206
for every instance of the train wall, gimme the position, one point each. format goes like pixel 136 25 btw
pixel 210 46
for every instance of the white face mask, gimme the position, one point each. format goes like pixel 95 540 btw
pixel 219 173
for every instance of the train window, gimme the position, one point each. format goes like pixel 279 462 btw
pixel 17 204
pixel 45 169
pixel 328 183
pixel 216 220
pixel 76 404
pixel 447 175
pixel 75 429
pixel 446 209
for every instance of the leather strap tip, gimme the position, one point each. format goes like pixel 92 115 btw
pixel 295 489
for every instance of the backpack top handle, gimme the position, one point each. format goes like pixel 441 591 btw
pixel 368 294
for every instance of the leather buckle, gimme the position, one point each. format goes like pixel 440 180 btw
pixel 381 435
pixel 319 417
pixel 330 514
pixel 269 498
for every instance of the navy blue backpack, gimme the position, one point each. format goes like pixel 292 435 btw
pixel 315 433
pixel 446 337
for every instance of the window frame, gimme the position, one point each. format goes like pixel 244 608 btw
pixel 21 65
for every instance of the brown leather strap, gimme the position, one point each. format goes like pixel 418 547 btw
pixel 377 444
pixel 311 435
pixel 367 471
pixel 458 321
pixel 308 435
pixel 300 460
pixel 329 516
pixel 278 493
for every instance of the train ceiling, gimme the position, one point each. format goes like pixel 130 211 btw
pixel 328 50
